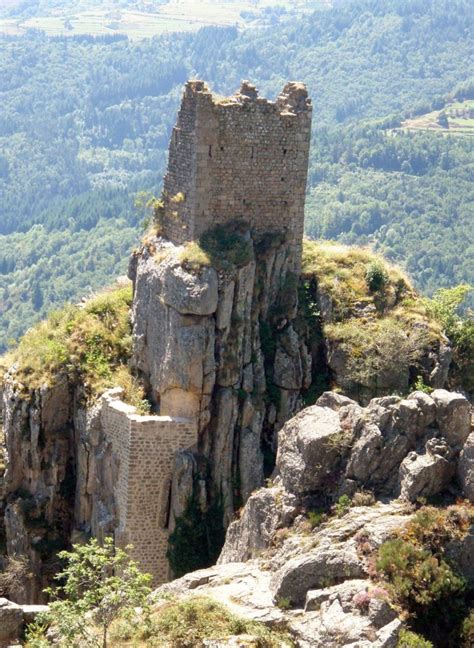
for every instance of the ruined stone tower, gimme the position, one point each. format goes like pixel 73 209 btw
pixel 197 334
pixel 240 157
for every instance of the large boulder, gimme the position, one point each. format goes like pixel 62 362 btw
pixel 340 623
pixel 331 556
pixel 334 400
pixel 310 446
pixel 426 407
pixel 423 475
pixel 190 293
pixel 315 569
pixel 453 416
pixel 366 454
pixel 266 511
pixel 11 622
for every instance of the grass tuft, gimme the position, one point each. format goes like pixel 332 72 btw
pixel 91 340
pixel 193 257
pixel 187 623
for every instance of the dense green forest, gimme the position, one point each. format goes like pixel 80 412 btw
pixel 410 196
pixel 84 125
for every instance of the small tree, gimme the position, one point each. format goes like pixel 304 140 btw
pixel 376 276
pixel 445 307
pixel 98 584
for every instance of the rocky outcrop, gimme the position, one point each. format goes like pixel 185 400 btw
pixel 453 416
pixel 213 344
pixel 266 511
pixel 310 447
pixel 11 623
pixel 222 342
pixel 59 477
pixel 321 582
pixel 13 620
pixel 40 449
pixel 393 447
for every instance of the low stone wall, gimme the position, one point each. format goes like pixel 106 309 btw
pixel 143 449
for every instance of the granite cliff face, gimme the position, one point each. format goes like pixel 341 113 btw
pixel 199 344
pixel 59 483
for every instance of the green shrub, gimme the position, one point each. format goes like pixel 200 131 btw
pixel 417 577
pixel 376 276
pixel 419 385
pixel 36 635
pixel 380 352
pixel 432 527
pixel 409 639
pixel 342 506
pixel 226 247
pixel 316 518
pixel 186 623
pixel 445 307
pixel 467 632
pixel 283 603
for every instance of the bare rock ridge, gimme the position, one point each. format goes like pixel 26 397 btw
pixel 394 448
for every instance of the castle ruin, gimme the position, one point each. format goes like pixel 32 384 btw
pixel 241 158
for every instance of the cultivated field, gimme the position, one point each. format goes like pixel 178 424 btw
pixel 140 18
pixel 455 118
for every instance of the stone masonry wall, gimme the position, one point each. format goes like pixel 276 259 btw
pixel 143 448
pixel 241 157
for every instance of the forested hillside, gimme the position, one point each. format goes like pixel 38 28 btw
pixel 408 195
pixel 84 125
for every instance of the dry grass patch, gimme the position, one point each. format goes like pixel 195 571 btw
pixel 193 257
pixel 186 623
pixel 351 275
pixel 91 341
